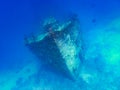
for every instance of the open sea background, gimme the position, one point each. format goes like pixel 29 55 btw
pixel 100 27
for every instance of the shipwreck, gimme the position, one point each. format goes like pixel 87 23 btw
pixel 60 46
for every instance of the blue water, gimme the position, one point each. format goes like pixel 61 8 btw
pixel 100 27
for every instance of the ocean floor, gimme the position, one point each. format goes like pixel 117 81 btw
pixel 101 68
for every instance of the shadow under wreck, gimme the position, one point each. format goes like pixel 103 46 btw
pixel 60 46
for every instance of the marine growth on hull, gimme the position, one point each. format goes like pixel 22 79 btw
pixel 60 46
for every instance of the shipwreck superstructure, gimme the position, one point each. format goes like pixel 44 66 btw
pixel 60 46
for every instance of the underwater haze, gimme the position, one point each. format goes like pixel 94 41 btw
pixel 99 20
